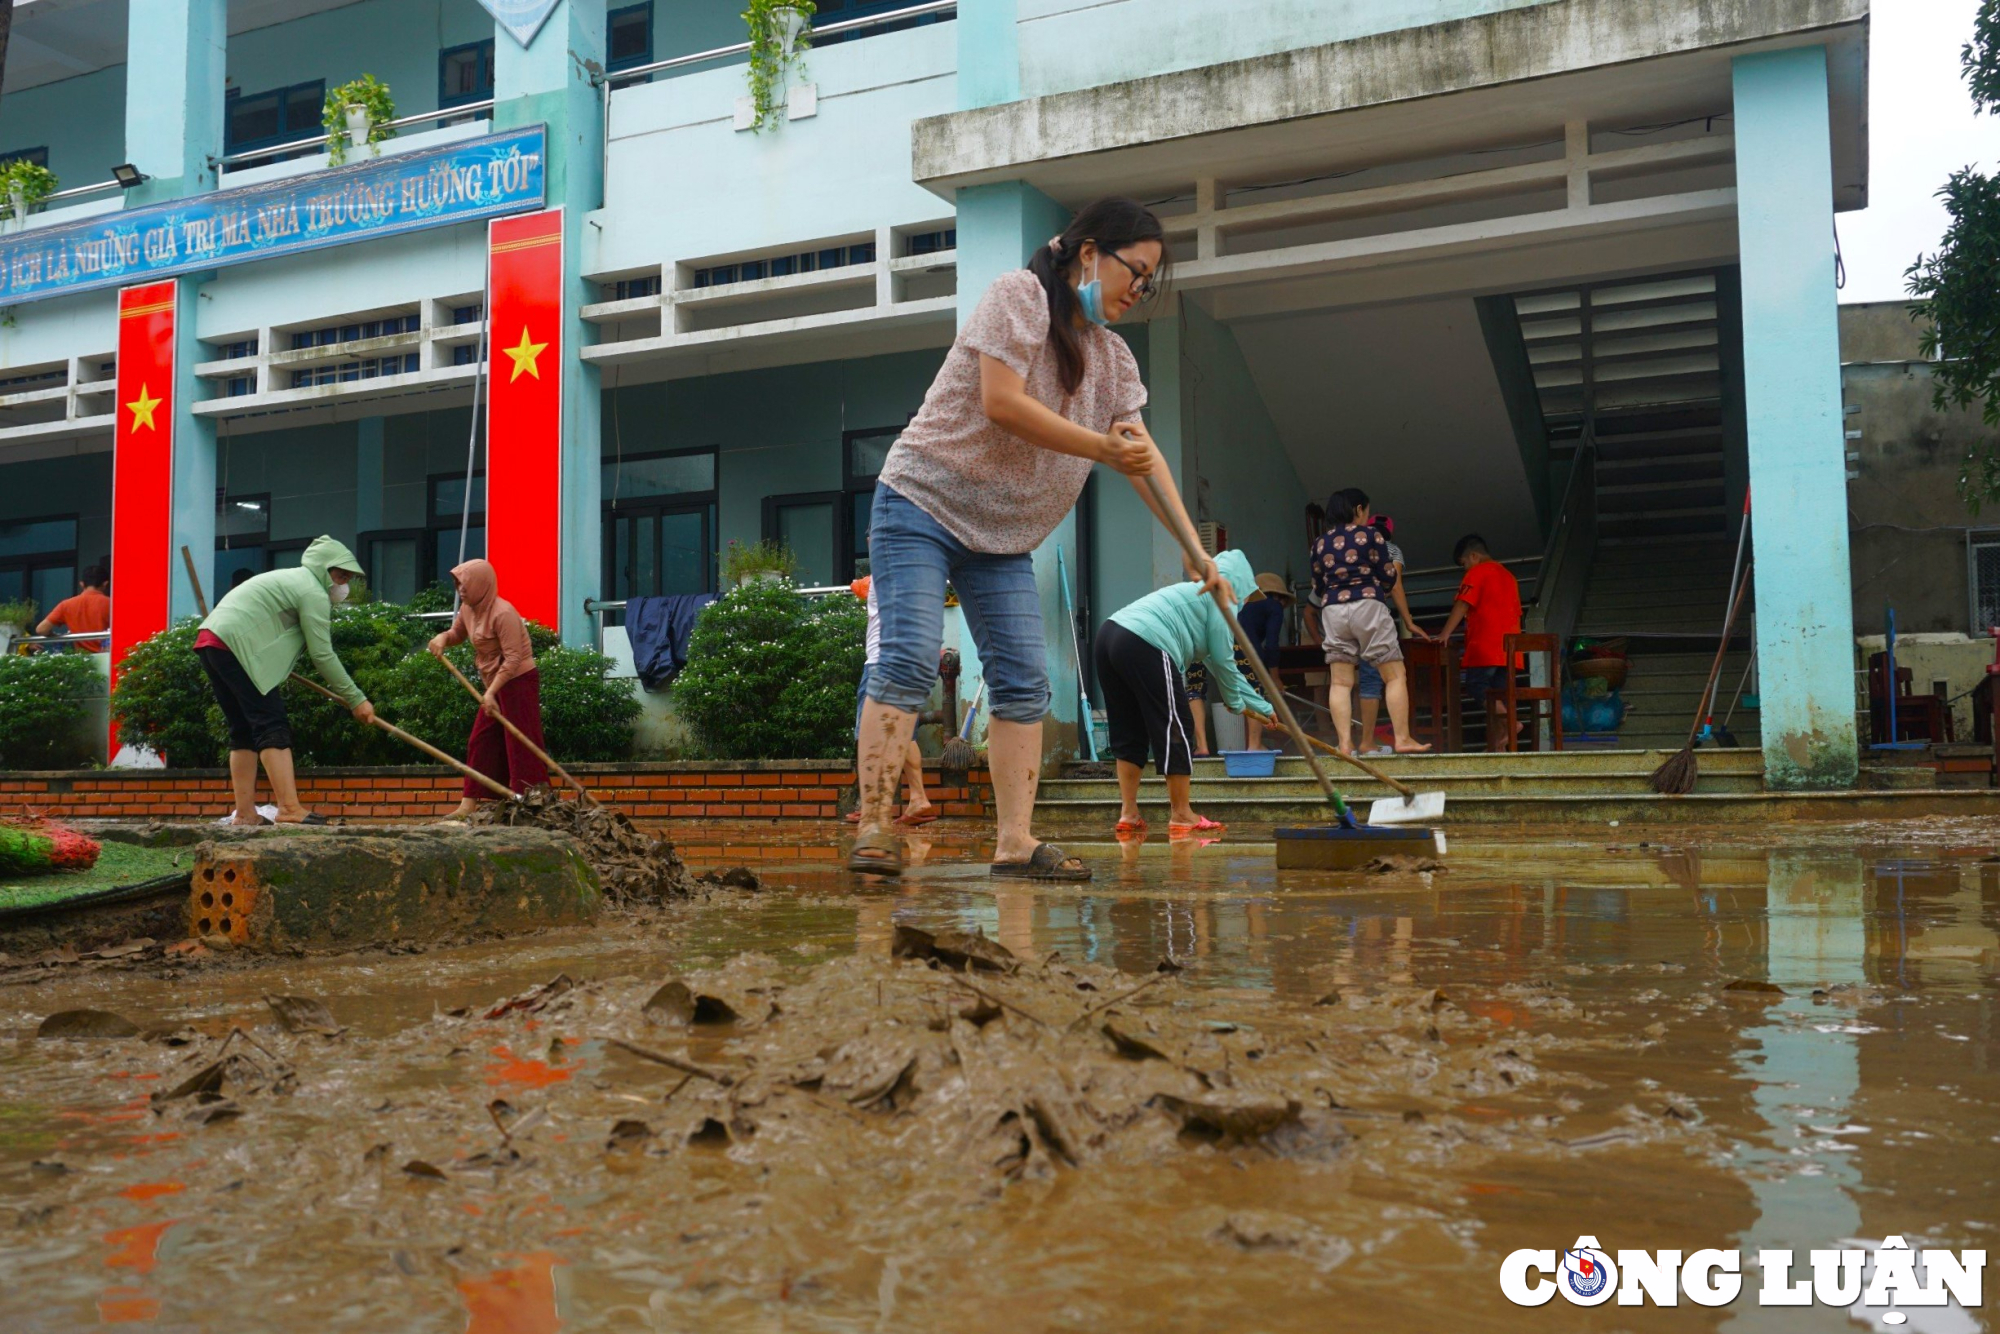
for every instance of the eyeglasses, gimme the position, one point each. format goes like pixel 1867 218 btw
pixel 1142 282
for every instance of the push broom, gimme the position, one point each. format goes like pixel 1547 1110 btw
pixel 1196 556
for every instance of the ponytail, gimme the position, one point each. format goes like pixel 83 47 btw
pixel 1113 224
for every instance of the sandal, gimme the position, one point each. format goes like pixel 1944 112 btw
pixel 1047 862
pixel 1131 827
pixel 912 819
pixel 1202 826
pixel 876 852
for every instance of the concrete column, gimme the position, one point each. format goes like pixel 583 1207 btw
pixel 173 128
pixel 989 54
pixel 550 82
pixel 1791 373
pixel 173 94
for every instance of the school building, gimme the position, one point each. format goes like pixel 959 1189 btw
pixel 1558 271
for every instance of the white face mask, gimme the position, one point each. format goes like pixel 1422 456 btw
pixel 338 593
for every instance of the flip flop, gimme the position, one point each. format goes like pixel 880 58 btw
pixel 312 818
pixel 1201 826
pixel 1131 827
pixel 1047 862
pixel 876 852
pixel 922 817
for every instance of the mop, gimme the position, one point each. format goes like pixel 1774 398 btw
pixel 1337 847
pixel 1407 807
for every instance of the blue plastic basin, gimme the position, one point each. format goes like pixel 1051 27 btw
pixel 1250 763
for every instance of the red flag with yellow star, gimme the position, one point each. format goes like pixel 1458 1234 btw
pixel 524 468
pixel 142 468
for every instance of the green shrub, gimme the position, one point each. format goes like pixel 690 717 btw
pixel 585 715
pixel 45 710
pixel 164 700
pixel 436 596
pixel 771 675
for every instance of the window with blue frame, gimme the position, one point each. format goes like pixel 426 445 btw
pixel 465 74
pixel 259 120
pixel 840 11
pixel 628 38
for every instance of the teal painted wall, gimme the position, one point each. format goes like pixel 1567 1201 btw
pixel 78 484
pixel 397 41
pixel 682 27
pixel 779 431
pixel 846 170
pixel 1069 44
pixel 81 122
pixel 1241 474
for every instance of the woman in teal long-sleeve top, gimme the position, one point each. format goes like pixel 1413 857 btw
pixel 1142 654
pixel 248 646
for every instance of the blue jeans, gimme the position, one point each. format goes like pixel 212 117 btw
pixel 911 556
pixel 860 694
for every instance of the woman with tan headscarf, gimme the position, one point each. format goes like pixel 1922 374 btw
pixel 513 686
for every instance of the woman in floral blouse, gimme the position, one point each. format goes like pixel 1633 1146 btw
pixel 1351 578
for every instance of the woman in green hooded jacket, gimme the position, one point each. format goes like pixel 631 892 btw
pixel 248 646
pixel 1143 653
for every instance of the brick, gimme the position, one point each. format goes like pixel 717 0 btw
pixel 763 780
pixel 725 780
pixel 799 809
pixel 722 808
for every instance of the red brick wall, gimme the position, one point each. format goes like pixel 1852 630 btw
pixel 770 790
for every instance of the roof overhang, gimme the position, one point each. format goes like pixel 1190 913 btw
pixel 1401 95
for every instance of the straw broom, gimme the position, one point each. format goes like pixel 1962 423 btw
pixel 1676 777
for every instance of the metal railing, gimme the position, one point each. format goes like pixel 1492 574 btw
pixel 104 634
pixel 596 607
pixel 77 191
pixel 1572 546
pixel 743 48
pixel 461 111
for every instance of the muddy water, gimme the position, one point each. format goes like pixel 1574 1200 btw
pixel 1586 1069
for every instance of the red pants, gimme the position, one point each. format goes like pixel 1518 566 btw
pixel 494 751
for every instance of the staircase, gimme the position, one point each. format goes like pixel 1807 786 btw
pixel 1479 788
pixel 1635 367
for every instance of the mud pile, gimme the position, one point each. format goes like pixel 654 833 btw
pixel 632 866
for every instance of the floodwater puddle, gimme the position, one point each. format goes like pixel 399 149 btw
pixel 1195 1093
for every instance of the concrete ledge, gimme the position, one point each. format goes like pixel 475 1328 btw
pixel 322 889
pixel 1516 45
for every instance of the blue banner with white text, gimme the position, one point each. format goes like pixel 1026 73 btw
pixel 486 177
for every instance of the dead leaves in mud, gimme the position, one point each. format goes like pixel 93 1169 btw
pixel 303 1014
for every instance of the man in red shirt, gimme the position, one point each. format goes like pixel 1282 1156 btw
pixel 88 610
pixel 1489 602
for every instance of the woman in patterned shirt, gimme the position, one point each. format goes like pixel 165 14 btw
pixel 1351 579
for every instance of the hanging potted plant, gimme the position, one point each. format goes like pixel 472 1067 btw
pixel 26 185
pixel 355 114
pixel 780 32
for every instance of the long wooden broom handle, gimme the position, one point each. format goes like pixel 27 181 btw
pixel 1196 556
pixel 1364 767
pixel 517 733
pixel 422 745
pixel 1721 651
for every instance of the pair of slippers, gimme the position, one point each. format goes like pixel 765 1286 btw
pixel 880 853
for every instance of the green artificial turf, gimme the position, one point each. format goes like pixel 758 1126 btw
pixel 119 864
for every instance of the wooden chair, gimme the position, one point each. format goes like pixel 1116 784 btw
pixel 1918 717
pixel 1433 680
pixel 1503 705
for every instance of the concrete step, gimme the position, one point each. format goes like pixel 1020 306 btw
pixel 1253 793
pixel 1680 496
pixel 1415 769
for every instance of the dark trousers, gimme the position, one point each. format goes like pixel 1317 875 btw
pixel 1145 701
pixel 256 718
pixel 494 751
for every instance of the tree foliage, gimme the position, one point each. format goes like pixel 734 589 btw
pixel 1957 290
